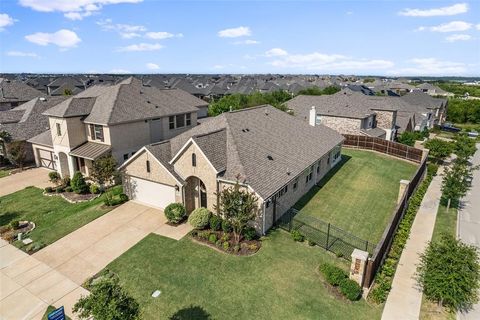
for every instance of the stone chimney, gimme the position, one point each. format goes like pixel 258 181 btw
pixel 313 117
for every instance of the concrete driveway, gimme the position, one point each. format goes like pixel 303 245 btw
pixel 88 250
pixel 37 177
pixel 53 276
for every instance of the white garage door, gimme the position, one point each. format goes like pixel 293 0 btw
pixel 46 159
pixel 151 193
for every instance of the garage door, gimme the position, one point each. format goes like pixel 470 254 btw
pixel 46 159
pixel 151 193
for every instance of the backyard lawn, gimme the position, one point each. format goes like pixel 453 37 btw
pixel 281 281
pixel 361 195
pixel 53 216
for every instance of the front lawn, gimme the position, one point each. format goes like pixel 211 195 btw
pixel 53 216
pixel 281 281
pixel 4 172
pixel 360 195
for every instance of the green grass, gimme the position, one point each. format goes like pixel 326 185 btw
pixel 53 216
pixel 281 281
pixel 446 222
pixel 4 172
pixel 361 195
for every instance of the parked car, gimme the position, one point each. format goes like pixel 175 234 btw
pixel 449 127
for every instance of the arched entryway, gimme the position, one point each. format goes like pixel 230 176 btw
pixel 63 168
pixel 195 194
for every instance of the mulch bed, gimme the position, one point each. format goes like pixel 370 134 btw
pixel 10 235
pixel 246 247
pixel 73 197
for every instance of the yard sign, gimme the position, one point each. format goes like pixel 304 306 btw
pixel 57 314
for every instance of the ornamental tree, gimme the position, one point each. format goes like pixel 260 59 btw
pixel 439 149
pixel 107 301
pixel 238 206
pixel 449 273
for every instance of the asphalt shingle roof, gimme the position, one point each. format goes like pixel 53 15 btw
pixel 16 91
pixel 263 146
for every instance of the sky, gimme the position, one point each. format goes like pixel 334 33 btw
pixel 392 38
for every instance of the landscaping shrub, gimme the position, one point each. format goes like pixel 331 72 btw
pixel 94 188
pixel 332 274
pixel 249 233
pixel 59 189
pixel 212 238
pixel 215 222
pixel 226 227
pixel 433 168
pixel 236 248
pixel 226 245
pixel 54 177
pixel 48 189
pixel 225 237
pixel 66 181
pixel 123 197
pixel 350 289
pixel 175 212
pixel 78 183
pixel 311 243
pixel 199 218
pixel 69 189
pixel 14 224
pixel 107 202
pixel 297 236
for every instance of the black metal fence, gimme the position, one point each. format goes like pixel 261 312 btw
pixel 324 234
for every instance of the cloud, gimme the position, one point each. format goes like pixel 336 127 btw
pixel 326 62
pixel 430 67
pixel 453 26
pixel 276 52
pixel 63 38
pixel 119 71
pixel 126 31
pixel 141 47
pixel 458 37
pixel 162 35
pixel 435 12
pixel 246 42
pixel 349 13
pixel 152 66
pixel 72 9
pixel 235 32
pixel 478 26
pixel 5 21
pixel 21 54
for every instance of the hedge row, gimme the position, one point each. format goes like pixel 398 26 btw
pixel 384 278
pixel 336 277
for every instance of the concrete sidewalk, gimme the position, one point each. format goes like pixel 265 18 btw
pixel 28 286
pixel 405 298
pixel 469 223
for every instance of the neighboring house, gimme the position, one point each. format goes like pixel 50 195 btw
pixel 432 90
pixel 269 152
pixel 27 121
pixel 13 93
pixel 63 85
pixel 434 109
pixel 117 119
pixel 347 112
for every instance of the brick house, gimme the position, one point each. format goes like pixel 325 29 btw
pixel 268 151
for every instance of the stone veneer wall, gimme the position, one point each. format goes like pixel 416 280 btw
pixel 342 125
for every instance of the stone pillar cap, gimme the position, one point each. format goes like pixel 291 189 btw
pixel 404 181
pixel 360 254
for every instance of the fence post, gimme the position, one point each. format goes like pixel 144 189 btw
pixel 328 234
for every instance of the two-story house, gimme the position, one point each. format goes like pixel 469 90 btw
pixel 347 112
pixel 13 93
pixel 117 119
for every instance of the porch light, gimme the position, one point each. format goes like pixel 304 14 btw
pixel 177 188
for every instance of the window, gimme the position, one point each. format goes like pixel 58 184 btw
pixel 180 119
pixel 92 131
pixel 171 122
pixel 59 130
pixel 267 204
pixel 98 132
pixel 318 120
pixel 318 166
pixel 125 156
pixel 148 166
pixel 194 160
pixel 295 184
pixel 309 175
pixel 188 118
